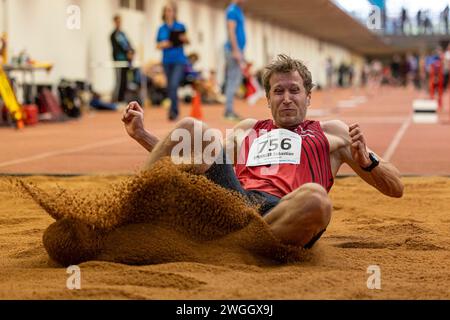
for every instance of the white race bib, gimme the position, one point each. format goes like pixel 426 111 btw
pixel 275 147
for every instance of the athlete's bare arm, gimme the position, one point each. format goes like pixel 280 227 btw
pixel 234 141
pixel 348 145
pixel 133 119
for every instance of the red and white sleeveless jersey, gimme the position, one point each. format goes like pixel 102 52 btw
pixel 282 178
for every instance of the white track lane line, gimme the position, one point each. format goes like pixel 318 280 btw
pixel 387 155
pixel 64 151
pixel 397 138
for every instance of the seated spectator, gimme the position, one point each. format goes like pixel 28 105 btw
pixel 213 90
pixel 156 82
pixel 191 75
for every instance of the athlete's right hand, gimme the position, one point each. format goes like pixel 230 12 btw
pixel 133 118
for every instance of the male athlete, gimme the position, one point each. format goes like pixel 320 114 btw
pixel 287 162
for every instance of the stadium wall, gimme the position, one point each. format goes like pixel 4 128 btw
pixel 40 27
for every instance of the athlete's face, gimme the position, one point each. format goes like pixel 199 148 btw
pixel 288 99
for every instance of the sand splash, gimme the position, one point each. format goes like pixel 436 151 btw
pixel 165 214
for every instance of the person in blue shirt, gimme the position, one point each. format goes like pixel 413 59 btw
pixel 122 52
pixel 234 54
pixel 171 39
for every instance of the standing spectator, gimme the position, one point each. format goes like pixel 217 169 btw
pixel 342 70
pixel 413 67
pixel 422 72
pixel 234 54
pixel 446 65
pixel 329 70
pixel 419 20
pixel 427 24
pixel 395 70
pixel 350 74
pixel 445 13
pixel 432 58
pixel 171 39
pixel 404 19
pixel 375 78
pixel 122 52
pixel 404 71
pixel 365 73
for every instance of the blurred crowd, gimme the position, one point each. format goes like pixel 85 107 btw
pixel 422 22
pixel 399 70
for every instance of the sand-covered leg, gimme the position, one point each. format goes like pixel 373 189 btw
pixel 70 242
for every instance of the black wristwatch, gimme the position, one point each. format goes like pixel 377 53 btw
pixel 375 162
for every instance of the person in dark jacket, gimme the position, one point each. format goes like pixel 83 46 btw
pixel 122 52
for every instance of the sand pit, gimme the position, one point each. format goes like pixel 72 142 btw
pixel 407 238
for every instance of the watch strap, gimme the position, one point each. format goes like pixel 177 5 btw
pixel 374 163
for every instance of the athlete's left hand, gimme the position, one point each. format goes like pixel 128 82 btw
pixel 358 146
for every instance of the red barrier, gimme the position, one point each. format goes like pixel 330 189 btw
pixel 436 69
pixel 431 81
pixel 440 85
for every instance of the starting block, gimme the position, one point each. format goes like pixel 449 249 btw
pixel 425 111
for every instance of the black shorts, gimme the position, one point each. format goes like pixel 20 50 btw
pixel 223 175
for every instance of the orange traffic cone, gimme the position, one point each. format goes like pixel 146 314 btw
pixel 20 124
pixel 196 111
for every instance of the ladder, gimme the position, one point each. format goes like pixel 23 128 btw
pixel 10 100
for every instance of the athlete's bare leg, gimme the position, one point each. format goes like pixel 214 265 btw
pixel 301 215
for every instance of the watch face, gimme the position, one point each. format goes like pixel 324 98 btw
pixel 373 157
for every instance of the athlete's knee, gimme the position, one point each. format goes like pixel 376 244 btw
pixel 313 188
pixel 312 193
pixel 314 199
